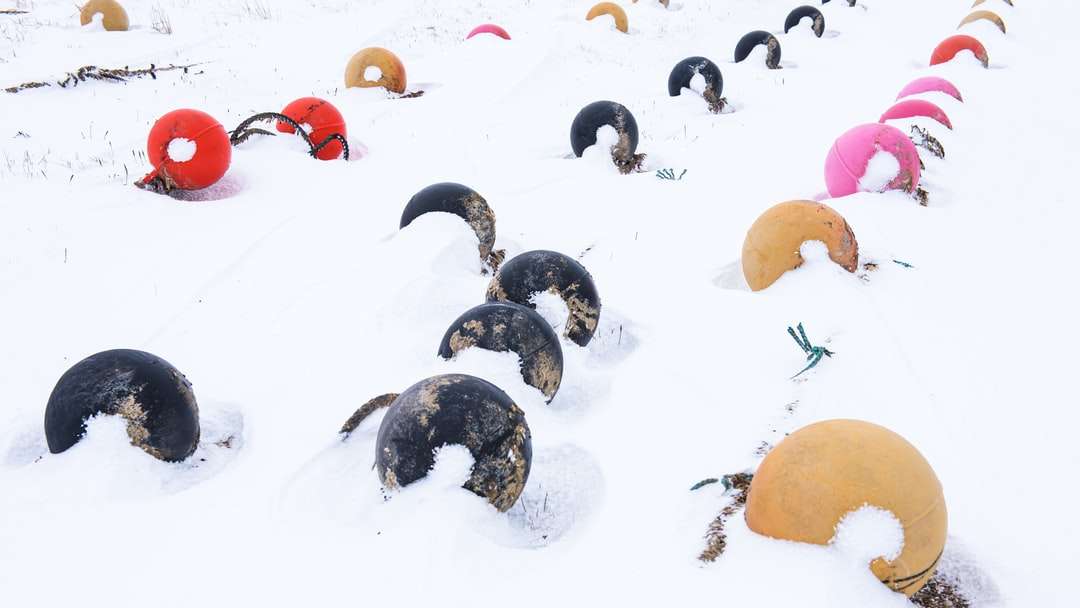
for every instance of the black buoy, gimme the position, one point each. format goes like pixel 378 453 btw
pixel 506 326
pixel 685 70
pixel 464 202
pixel 851 2
pixel 615 115
pixel 150 394
pixel 797 15
pixel 548 271
pixel 753 39
pixel 456 409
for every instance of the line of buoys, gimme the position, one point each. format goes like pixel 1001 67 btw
pixel 910 108
pixel 948 49
pixel 930 84
pixel 464 202
pixel 151 395
pixel 324 120
pixel 507 326
pixel 614 10
pixel 990 16
pixel 772 244
pixel 533 272
pixel 457 409
pixel 391 71
pixel 849 161
pixel 489 28
pixel 114 17
pixel 821 473
pixel 755 38
pixel 817 20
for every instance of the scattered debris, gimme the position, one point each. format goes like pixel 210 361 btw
pixel 904 264
pixel 939 593
pixel 923 139
pixel 670 174
pixel 738 484
pixel 92 72
pixel 814 354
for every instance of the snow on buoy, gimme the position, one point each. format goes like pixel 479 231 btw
pixel 542 271
pixel 456 409
pixel 464 202
pixel 150 394
pixel 615 115
pixel 930 84
pixel 392 71
pixel 990 16
pixel 489 28
pixel 616 12
pixel 685 71
pixel 114 17
pixel 201 145
pixel 948 49
pixel 809 483
pixel 772 244
pixel 748 42
pixel 802 12
pixel 846 167
pixel 916 107
pixel 324 120
pixel 506 326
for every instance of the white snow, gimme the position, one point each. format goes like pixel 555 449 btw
pixel 868 533
pixel 372 73
pixel 698 83
pixel 880 171
pixel 182 150
pixel 288 296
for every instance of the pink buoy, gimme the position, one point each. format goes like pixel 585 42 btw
pixel 930 84
pixel 489 28
pixel 846 167
pixel 916 107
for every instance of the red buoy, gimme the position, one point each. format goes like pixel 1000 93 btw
pixel 198 168
pixel 952 45
pixel 323 118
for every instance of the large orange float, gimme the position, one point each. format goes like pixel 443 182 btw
pixel 114 17
pixel 772 244
pixel 610 8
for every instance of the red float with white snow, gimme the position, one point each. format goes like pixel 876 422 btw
pixel 324 121
pixel 189 151
pixel 953 45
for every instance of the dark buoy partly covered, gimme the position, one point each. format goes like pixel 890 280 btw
pixel 615 115
pixel 797 15
pixel 456 409
pixel 748 42
pixel 505 326
pixel 684 72
pixel 852 2
pixel 548 271
pixel 464 202
pixel 150 394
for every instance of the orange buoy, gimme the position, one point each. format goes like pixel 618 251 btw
pixel 610 8
pixel 819 474
pixel 952 45
pixel 392 71
pixel 772 244
pixel 984 16
pixel 114 17
pixel 188 149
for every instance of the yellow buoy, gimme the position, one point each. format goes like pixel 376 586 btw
pixel 616 12
pixel 392 77
pixel 824 471
pixel 114 17
pixel 772 244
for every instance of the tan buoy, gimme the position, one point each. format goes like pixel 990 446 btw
pixel 610 8
pixel 772 244
pixel 114 17
pixel 978 2
pixel 393 71
pixel 987 15
pixel 824 471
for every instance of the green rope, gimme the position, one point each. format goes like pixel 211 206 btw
pixel 814 354
pixel 670 174
pixel 904 264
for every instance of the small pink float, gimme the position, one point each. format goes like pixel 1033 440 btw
pixel 931 84
pixel 489 28
pixel 916 107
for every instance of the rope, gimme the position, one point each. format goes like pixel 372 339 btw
pixel 244 130
pixel 92 72
pixel 814 354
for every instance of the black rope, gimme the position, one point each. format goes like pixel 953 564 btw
pixel 244 130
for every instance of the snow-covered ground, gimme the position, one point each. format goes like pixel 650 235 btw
pixel 292 299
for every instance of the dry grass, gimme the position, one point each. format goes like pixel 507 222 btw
pixel 257 9
pixel 161 22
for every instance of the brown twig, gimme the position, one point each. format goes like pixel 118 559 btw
pixel 716 537
pixel 92 72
